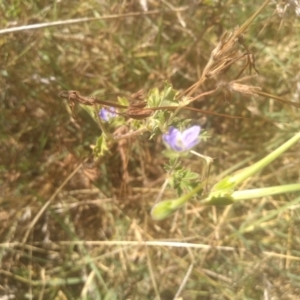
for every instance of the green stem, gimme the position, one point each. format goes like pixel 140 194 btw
pixel 244 174
pixel 263 192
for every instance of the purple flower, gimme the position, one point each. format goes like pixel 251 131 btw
pixel 107 113
pixel 182 141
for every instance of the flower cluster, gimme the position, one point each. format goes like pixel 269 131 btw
pixel 107 113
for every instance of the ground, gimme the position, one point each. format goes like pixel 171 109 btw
pixel 76 226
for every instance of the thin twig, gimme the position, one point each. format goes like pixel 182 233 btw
pixel 184 281
pixel 42 210
pixel 75 21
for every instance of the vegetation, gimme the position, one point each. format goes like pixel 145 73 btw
pixel 80 192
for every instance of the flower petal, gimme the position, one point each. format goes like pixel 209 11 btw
pixel 173 139
pixel 103 114
pixel 190 137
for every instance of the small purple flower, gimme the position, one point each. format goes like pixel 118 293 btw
pixel 182 141
pixel 106 114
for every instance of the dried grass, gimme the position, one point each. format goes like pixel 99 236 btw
pixel 73 228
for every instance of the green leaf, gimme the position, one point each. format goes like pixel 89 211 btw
pixel 224 184
pixel 101 146
pixel 219 198
pixel 123 101
pixel 169 94
pixel 90 110
pixel 153 98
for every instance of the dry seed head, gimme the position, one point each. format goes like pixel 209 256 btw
pixel 140 95
pixel 226 47
pixel 244 89
pixel 235 86
pixel 224 55
pixel 138 114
